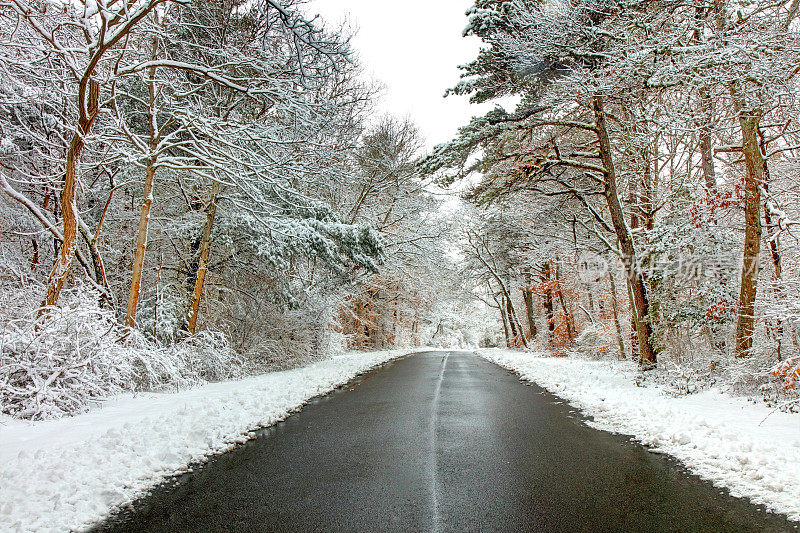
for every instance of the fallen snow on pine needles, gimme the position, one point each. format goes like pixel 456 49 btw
pixel 748 448
pixel 65 474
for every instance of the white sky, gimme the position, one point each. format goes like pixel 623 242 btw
pixel 412 47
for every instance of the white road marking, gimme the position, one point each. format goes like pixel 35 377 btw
pixel 434 422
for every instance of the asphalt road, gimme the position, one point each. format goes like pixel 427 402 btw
pixel 441 442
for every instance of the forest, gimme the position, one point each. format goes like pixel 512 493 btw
pixel 200 190
pixel 641 199
pixel 195 191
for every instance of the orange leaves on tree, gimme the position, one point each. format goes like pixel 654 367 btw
pixel 561 338
pixel 789 372
pixel 720 310
pixel 375 315
pixel 704 210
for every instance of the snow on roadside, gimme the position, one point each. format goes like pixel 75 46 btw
pixel 718 437
pixel 65 474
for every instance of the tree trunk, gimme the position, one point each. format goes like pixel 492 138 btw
pixel 647 353
pixel 615 309
pixel 548 301
pixel 568 316
pixel 590 299
pixel 89 103
pixel 141 244
pixel 504 317
pixel 530 313
pixel 633 206
pixel 35 257
pixel 775 254
pixel 511 322
pixel 158 295
pixel 774 247
pixel 49 226
pixel 706 153
pixel 147 202
pixel 649 187
pixel 202 263
pixel 98 267
pixel 754 164
pixel 504 286
pixel 707 117
pixel 634 337
pixel 513 319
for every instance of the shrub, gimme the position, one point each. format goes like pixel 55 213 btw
pixel 78 354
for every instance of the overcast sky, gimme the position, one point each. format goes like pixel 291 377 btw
pixel 413 47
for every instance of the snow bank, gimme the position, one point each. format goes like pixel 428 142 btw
pixel 718 437
pixel 65 474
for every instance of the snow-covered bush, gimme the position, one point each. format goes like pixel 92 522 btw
pixel 783 388
pixel 773 382
pixel 691 273
pixel 337 343
pixel 285 341
pixel 272 335
pixel 78 353
pixel 597 340
pixel 161 315
pixel 206 356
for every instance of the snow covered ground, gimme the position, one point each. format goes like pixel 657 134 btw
pixel 718 437
pixel 65 474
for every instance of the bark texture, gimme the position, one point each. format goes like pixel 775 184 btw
pixel 147 202
pixel 647 353
pixel 530 312
pixel 89 102
pixel 706 147
pixel 754 177
pixel 141 246
pixel 202 262
pixel 615 309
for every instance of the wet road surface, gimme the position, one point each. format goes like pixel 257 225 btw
pixel 441 441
